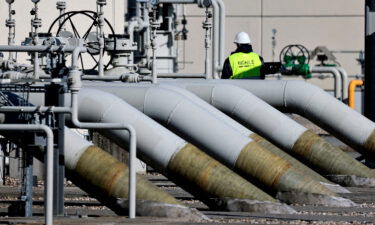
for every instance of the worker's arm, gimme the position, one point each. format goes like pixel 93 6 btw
pixel 227 70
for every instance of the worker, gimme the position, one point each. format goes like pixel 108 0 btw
pixel 243 63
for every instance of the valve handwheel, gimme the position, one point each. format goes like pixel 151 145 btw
pixel 294 56
pixel 88 35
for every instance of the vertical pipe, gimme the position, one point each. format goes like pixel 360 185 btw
pixel 336 77
pixel 351 92
pixel 369 111
pixel 132 173
pixel 48 202
pixel 222 34
pixel 215 39
pixel 344 83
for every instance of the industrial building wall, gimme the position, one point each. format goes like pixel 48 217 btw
pixel 337 24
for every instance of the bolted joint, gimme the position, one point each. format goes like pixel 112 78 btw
pixel 101 2
pixel 10 23
pixel 130 78
pixel 74 80
pixel 61 5
pixel 36 23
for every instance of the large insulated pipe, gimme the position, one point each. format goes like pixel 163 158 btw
pixel 245 131
pixel 270 123
pixel 370 60
pixel 165 151
pixel 220 140
pixel 104 177
pixel 315 104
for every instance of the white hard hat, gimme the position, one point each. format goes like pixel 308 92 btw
pixel 242 38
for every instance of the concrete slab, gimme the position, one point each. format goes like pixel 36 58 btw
pixel 158 209
pixel 352 180
pixel 247 205
pixel 336 188
pixel 313 199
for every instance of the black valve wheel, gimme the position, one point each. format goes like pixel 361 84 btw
pixel 92 44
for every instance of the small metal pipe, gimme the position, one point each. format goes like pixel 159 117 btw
pixel 344 82
pixel 180 75
pixel 75 56
pixel 100 36
pixel 11 23
pixel 215 39
pixel 336 77
pixel 178 1
pixel 105 78
pixel 49 164
pixel 34 109
pixel 33 48
pixel 207 26
pixel 351 91
pixel 221 32
pixel 132 146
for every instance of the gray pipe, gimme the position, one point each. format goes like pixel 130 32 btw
pixel 165 151
pixel 220 140
pixel 215 39
pixel 344 83
pixel 267 121
pixel 222 33
pixel 315 104
pixel 104 177
pixel 336 76
pixel 240 128
pixel 33 48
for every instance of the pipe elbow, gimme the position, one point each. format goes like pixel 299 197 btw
pixel 160 103
pixel 299 95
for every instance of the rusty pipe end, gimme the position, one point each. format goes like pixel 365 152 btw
pixel 328 159
pixel 275 173
pixel 206 178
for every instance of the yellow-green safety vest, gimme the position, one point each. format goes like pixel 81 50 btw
pixel 245 65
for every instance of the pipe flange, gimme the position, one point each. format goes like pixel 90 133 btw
pixel 204 3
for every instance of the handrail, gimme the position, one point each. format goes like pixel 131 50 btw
pixel 48 208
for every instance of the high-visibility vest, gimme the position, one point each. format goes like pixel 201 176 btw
pixel 245 65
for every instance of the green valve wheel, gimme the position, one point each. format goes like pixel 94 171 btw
pixel 295 60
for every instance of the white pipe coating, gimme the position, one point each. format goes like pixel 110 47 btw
pixel 157 146
pixel 178 112
pixel 252 111
pixel 336 76
pixel 49 162
pixel 206 106
pixel 313 103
